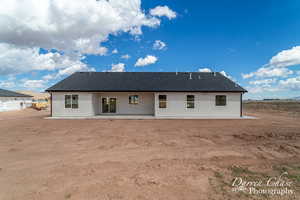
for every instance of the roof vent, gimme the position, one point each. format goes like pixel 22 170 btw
pixel 199 77
pixel 215 73
pixel 190 76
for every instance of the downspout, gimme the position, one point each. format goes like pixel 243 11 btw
pixel 154 104
pixel 241 104
pixel 51 104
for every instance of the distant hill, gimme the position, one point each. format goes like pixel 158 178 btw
pixel 272 99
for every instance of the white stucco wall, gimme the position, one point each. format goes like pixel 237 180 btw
pixel 85 105
pixel 90 104
pixel 204 105
pixel 144 107
pixel 14 103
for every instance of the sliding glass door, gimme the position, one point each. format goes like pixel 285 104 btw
pixel 109 105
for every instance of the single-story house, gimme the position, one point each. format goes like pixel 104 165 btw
pixel 40 100
pixel 160 94
pixel 10 100
pixel 36 96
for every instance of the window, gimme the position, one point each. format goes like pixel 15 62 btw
pixel 162 101
pixel 133 99
pixel 71 101
pixel 67 101
pixel 190 101
pixel 74 101
pixel 220 100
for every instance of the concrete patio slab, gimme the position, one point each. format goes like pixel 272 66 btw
pixel 141 117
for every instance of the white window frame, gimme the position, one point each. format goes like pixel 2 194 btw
pixel 186 101
pixel 71 101
pixel 225 100
pixel 134 102
pixel 166 101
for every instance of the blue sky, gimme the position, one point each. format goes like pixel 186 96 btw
pixel 234 36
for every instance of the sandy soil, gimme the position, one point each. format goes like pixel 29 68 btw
pixel 144 159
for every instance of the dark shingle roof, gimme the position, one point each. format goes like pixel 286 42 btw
pixel 7 93
pixel 147 81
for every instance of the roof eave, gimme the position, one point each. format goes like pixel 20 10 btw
pixel 242 91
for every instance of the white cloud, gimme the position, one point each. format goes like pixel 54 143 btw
pixel 68 25
pixel 272 85
pixel 226 75
pixel 263 85
pixel 264 72
pixel 49 77
pixel 120 67
pixel 163 11
pixel 34 84
pixel 14 60
pixel 291 83
pixel 115 51
pixel 286 58
pixel 136 31
pixel 277 66
pixel 209 70
pixel 256 90
pixel 204 70
pixel 76 67
pixel 126 56
pixel 159 45
pixel 149 59
pixel 250 75
pixel 7 84
pixel 265 82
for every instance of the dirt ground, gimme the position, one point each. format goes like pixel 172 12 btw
pixel 145 159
